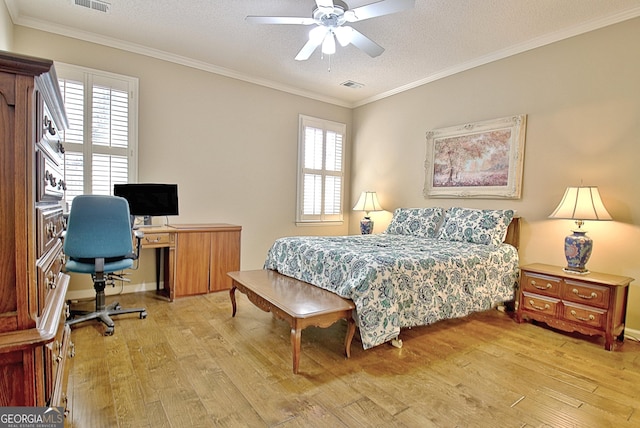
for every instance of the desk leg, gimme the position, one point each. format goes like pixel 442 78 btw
pixel 158 259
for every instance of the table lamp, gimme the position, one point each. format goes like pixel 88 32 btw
pixel 579 204
pixel 368 202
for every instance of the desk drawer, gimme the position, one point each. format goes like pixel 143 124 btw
pixel 153 240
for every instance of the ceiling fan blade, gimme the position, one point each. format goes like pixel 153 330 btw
pixel 280 20
pixel 325 3
pixel 364 43
pixel 383 7
pixel 308 49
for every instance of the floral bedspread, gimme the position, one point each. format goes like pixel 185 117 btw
pixel 399 281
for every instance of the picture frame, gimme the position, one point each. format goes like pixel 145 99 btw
pixel 476 160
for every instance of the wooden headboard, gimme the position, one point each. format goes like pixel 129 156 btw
pixel 513 233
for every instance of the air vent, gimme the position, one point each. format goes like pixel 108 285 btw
pixel 352 84
pixel 99 5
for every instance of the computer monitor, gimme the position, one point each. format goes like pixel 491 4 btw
pixel 149 199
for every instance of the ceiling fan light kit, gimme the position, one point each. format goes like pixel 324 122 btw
pixel 329 16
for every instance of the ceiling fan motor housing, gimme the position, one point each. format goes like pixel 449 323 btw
pixel 331 17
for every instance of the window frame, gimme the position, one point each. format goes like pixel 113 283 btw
pixel 322 218
pixel 90 77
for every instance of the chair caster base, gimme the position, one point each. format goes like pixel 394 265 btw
pixel 109 331
pixel 143 315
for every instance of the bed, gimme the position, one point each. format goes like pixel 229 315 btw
pixel 430 264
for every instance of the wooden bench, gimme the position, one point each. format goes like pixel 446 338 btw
pixel 299 303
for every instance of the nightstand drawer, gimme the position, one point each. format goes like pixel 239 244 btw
pixel 587 294
pixel 583 314
pixel 541 284
pixel 539 304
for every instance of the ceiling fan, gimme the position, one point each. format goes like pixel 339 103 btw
pixel 329 16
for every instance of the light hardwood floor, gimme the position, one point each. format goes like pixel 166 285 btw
pixel 190 364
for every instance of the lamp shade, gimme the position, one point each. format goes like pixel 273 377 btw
pixel 368 202
pixel 581 203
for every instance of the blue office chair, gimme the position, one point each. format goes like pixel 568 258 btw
pixel 98 241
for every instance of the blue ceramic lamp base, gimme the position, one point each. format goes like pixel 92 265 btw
pixel 366 226
pixel 577 250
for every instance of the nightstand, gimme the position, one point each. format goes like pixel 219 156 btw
pixel 593 304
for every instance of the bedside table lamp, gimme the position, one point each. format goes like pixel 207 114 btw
pixel 368 202
pixel 579 204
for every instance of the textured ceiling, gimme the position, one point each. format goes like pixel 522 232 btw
pixel 435 39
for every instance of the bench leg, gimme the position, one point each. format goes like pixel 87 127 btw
pixel 351 330
pixel 295 344
pixel 232 294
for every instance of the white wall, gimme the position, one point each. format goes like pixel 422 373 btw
pixel 6 28
pixel 230 145
pixel 582 97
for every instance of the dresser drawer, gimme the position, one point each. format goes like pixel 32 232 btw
pixel 50 179
pixel 152 240
pixel 57 353
pixel 541 284
pixel 587 294
pixel 51 224
pixel 539 304
pixel 50 131
pixel 48 270
pixel 585 315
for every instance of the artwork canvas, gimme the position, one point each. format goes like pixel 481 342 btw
pixel 482 160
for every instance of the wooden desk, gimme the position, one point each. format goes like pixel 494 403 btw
pixel 196 257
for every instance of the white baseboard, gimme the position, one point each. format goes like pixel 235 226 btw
pixel 632 334
pixel 89 293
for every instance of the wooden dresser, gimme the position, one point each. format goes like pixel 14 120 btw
pixel 34 341
pixel 593 304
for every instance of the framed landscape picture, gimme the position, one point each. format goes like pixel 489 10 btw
pixel 476 160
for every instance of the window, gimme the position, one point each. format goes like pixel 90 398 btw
pixel 320 170
pixel 101 142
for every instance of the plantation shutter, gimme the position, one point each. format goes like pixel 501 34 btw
pixel 321 170
pixel 101 113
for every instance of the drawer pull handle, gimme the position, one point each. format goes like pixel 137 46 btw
pixel 540 308
pixel 575 315
pixel 151 241
pixel 51 280
pixel 582 296
pixel 540 287
pixel 48 125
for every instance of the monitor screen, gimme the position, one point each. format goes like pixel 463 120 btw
pixel 149 199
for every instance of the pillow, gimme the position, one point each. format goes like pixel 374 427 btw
pixel 420 222
pixel 478 226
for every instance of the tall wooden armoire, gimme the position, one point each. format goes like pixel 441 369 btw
pixel 34 341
